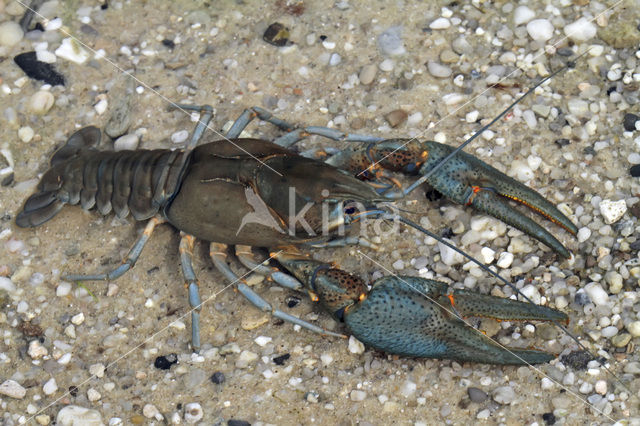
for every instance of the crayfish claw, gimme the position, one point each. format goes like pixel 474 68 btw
pixel 417 317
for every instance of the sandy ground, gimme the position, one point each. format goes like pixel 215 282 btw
pixel 220 58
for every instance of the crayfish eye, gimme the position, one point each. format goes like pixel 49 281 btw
pixel 349 208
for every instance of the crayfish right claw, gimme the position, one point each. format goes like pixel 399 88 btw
pixel 417 317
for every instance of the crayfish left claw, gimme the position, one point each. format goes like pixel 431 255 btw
pixel 418 317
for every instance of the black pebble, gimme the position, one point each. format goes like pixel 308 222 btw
pixel 233 422
pixel 32 67
pixel 165 362
pixel 549 418
pixel 279 360
pixel 292 301
pixel 629 122
pixel 277 34
pixel 477 395
pixel 577 360
pixel 218 377
pixel 562 142
pixel 73 390
pixel 635 170
pixel 565 51
pixel 168 43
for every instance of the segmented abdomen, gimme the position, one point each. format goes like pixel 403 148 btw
pixel 139 182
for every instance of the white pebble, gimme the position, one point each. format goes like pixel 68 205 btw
pixel 36 350
pixel 101 106
pixel 97 370
pixel 262 340
pixel 530 118
pixel 25 133
pixel 601 387
pixel 408 389
pixel 398 265
pixel 453 98
pixel 522 15
pixel 334 59
pixel 614 74
pixel 612 211
pixel 634 158
pixel 521 171
pixel 193 412
pixel 126 142
pixel 440 24
pixel 534 162
pixel 414 118
pixel 78 318
pixel 386 65
pixel 578 107
pixel 634 328
pixel 609 332
pixel 367 74
pixel 540 29
pixel 438 70
pixel 326 359
pixel 596 293
pixel 50 387
pixel 12 389
pixel 63 289
pixel 93 395
pixel 179 136
pixel 7 285
pixel 580 30
pixel 10 33
pixel 355 346
pixel 329 45
pixel 504 395
pixel 546 383
pixel 73 415
pixel 487 255
pixel 531 292
pixel 505 260
pixel 449 256
pixel 390 42
pixel 472 116
pixel 41 102
pixel 72 51
pixel 584 234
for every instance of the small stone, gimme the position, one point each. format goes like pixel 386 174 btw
pixel 477 395
pixel 596 293
pixel 390 42
pixel 74 415
pixel 448 56
pixel 621 340
pixel 334 59
pixel 580 30
pixel 368 74
pixel 631 122
pixel 398 265
pixel 504 395
pixel 262 340
pixel 150 411
pixel 578 107
pixel 612 211
pixel 218 377
pixel 386 65
pixel 634 328
pixel 461 46
pixel 179 136
pixel 41 102
pixel 276 34
pixel 36 350
pixel 165 362
pixel 245 358
pixel 355 346
pixel 72 51
pixel 546 383
pixel 50 387
pixel 193 412
pixel 12 389
pixel 43 419
pixel 609 331
pixel 505 260
pixel 358 395
pixel 540 29
pixel 584 234
pixel 522 15
pixel 10 33
pixel 440 24
pixel 126 142
pixel 396 117
pixel 601 387
pixel 487 255
pixel 97 370
pixel 101 106
pixel 438 70
pixel 26 134
pixel 483 414
pixel 93 395
pixel 78 318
